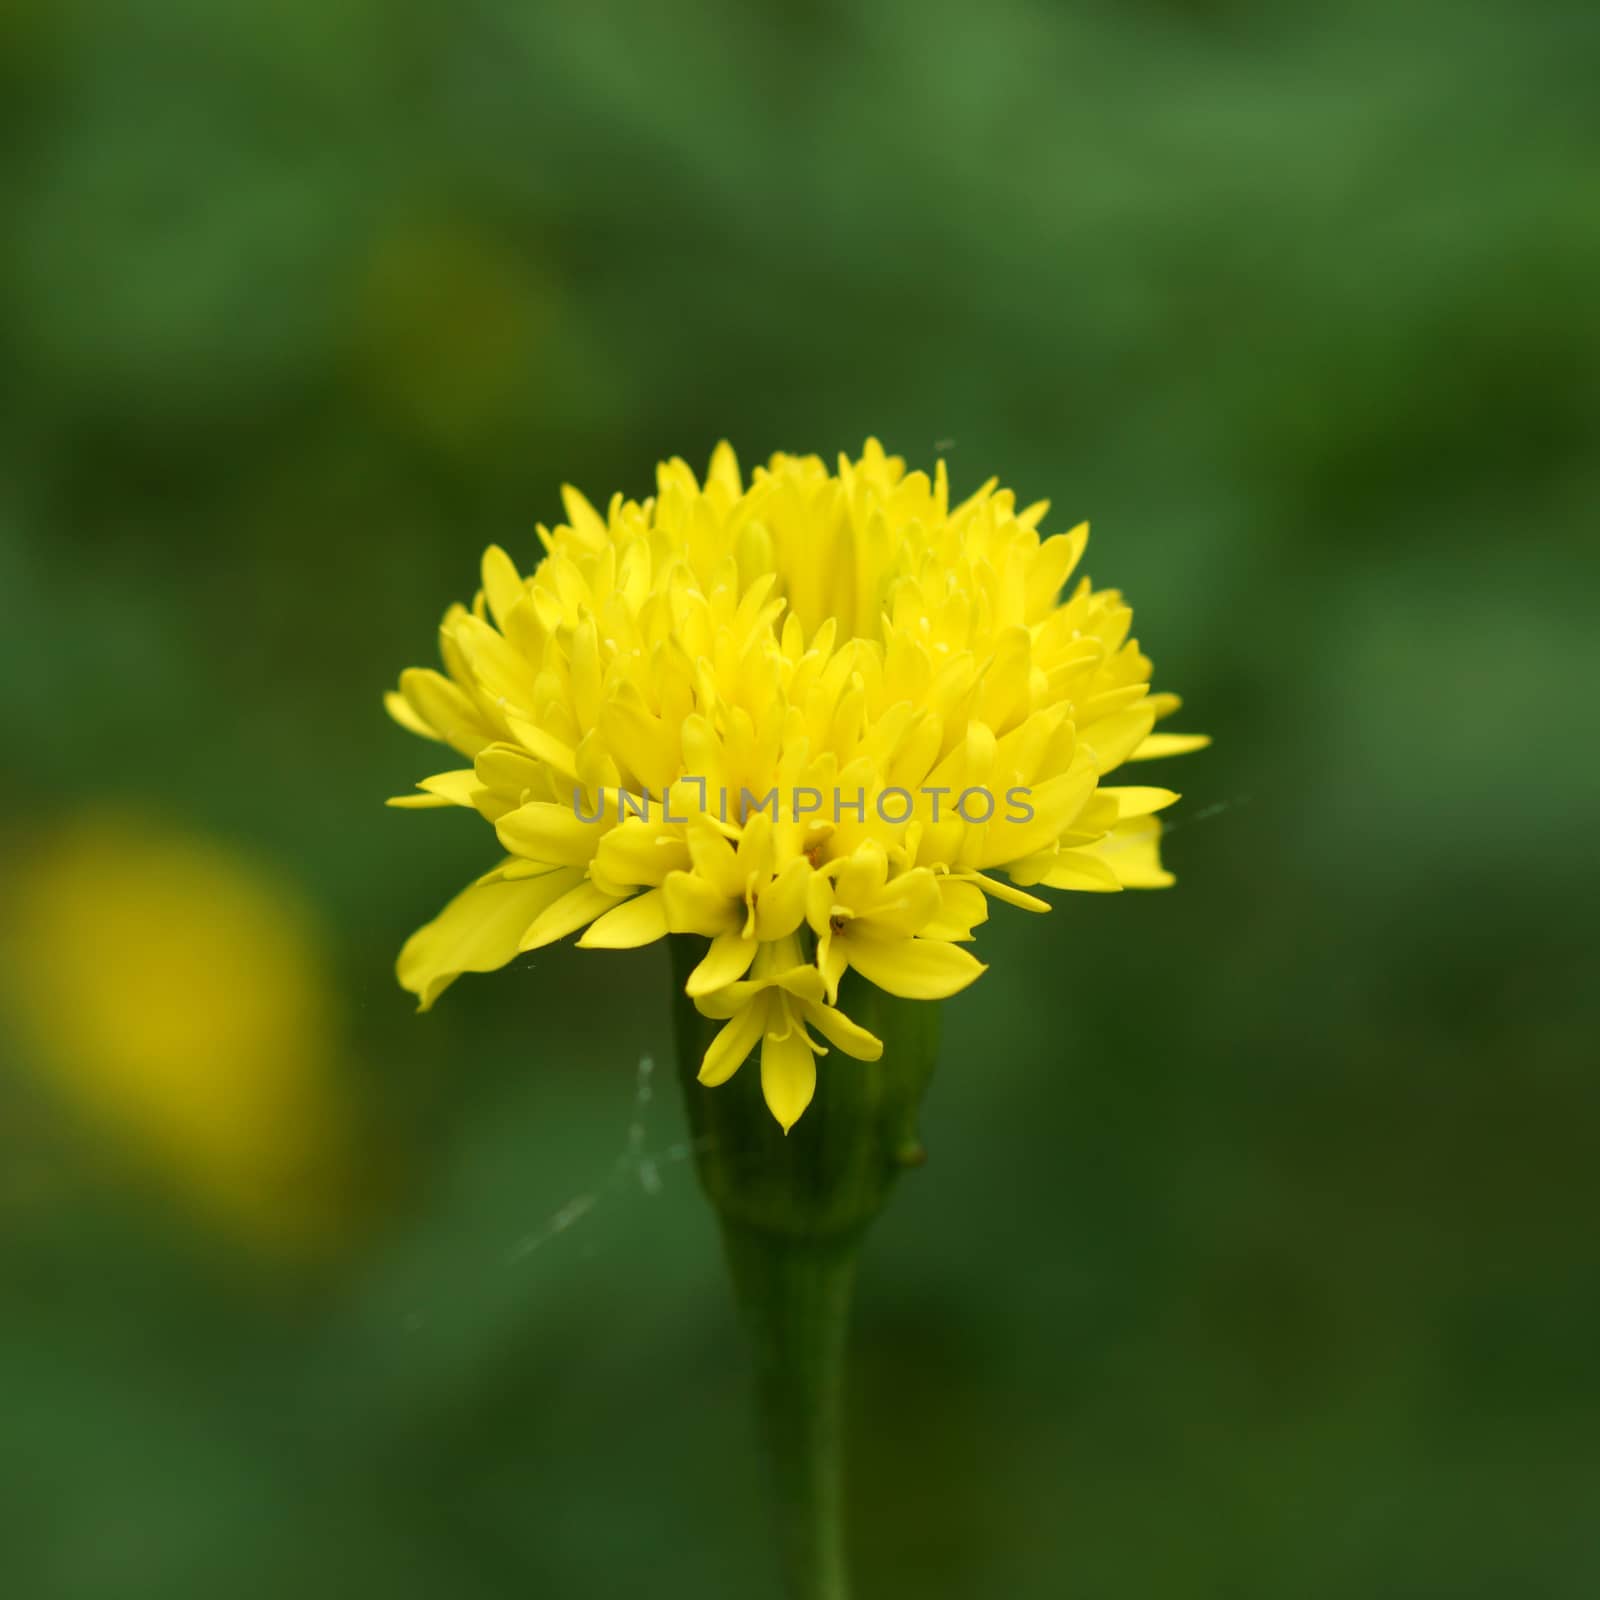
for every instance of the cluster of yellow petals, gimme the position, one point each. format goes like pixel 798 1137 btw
pixel 847 633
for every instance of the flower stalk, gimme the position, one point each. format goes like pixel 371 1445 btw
pixel 794 1210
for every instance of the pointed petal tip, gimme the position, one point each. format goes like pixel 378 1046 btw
pixel 425 999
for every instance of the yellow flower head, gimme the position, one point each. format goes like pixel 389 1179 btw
pixel 818 720
pixel 174 993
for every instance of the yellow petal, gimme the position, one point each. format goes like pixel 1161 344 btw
pixel 439 704
pixel 905 905
pixel 693 906
pixel 1079 869
pixel 1132 851
pixel 803 980
pixel 509 770
pixel 1109 702
pixel 725 469
pixel 641 920
pixel 859 876
pixel 725 962
pixel 729 1050
pixel 583 518
pixel 546 747
pixel 756 849
pixel 479 930
pixel 1055 802
pixel 962 907
pixel 1052 566
pixel 639 851
pixel 502 583
pixel 1170 744
pixel 1133 801
pixel 998 889
pixel 832 960
pixel 819 902
pixel 400 709
pixel 576 907
pixel 498 668
pixel 838 1029
pixel 649 746
pixel 788 1075
pixel 915 969
pixel 781 905
pixel 544 831
pixel 1112 740
pixel 446 789
pixel 715 862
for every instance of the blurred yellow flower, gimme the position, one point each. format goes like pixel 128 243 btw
pixel 818 720
pixel 174 995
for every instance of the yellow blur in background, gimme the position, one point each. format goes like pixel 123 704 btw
pixel 173 994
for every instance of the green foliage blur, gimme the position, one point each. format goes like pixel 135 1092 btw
pixel 1257 1254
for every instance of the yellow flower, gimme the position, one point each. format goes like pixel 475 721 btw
pixel 174 994
pixel 819 719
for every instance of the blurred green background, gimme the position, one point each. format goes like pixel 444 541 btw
pixel 1257 1255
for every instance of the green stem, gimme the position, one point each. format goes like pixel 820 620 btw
pixel 795 1299
pixel 794 1211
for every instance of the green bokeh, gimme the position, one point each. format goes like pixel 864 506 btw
pixel 1257 1251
